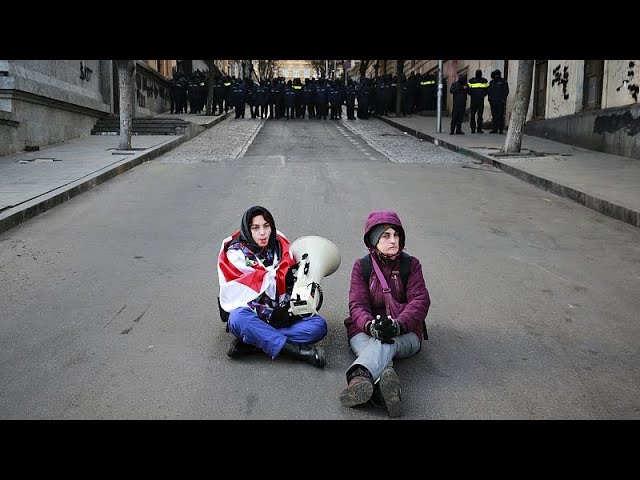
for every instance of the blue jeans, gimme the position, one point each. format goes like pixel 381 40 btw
pixel 244 323
pixel 376 356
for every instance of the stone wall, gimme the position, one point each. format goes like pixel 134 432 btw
pixel 612 130
pixel 44 102
pixel 152 91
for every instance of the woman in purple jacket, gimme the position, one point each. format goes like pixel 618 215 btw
pixel 374 337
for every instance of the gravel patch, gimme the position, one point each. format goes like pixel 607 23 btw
pixel 401 147
pixel 226 140
pixel 230 139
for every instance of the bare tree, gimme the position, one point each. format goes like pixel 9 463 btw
pixel 513 142
pixel 211 80
pixel 126 74
pixel 320 66
pixel 364 64
pixel 267 68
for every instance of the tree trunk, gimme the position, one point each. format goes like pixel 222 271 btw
pixel 126 73
pixel 399 71
pixel 513 141
pixel 364 64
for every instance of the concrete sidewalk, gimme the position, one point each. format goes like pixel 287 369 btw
pixel 609 184
pixel 33 182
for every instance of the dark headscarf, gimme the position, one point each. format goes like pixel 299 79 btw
pixel 376 232
pixel 245 230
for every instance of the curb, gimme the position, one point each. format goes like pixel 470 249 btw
pixel 31 208
pixel 605 207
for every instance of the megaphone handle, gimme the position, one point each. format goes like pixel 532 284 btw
pixel 319 298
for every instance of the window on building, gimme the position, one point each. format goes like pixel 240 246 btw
pixel 540 88
pixel 285 72
pixel 296 73
pixel 593 75
pixel 307 73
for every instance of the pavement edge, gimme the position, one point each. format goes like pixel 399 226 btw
pixel 605 207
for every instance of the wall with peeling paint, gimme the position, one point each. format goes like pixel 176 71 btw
pixel 615 128
pixel 622 82
pixel 612 130
pixel 561 87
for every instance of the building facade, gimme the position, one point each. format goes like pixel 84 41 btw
pixel 290 69
pixel 588 103
pixel 44 102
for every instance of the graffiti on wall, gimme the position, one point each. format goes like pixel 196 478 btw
pixel 632 87
pixel 85 72
pixel 147 89
pixel 615 122
pixel 141 99
pixel 561 79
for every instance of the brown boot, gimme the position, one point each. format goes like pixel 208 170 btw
pixel 358 391
pixel 391 392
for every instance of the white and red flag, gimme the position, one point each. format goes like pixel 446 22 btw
pixel 241 283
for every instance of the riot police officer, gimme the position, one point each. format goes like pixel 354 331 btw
pixel 497 93
pixel 478 87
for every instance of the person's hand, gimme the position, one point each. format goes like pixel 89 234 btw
pixel 390 327
pixel 382 329
pixel 280 317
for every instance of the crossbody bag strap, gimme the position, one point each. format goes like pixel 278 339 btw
pixel 385 286
pixel 383 281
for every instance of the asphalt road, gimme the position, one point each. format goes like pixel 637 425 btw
pixel 108 301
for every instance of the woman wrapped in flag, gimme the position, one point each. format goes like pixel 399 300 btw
pixel 252 271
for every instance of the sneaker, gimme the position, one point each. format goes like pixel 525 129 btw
pixel 358 391
pixel 239 349
pixel 391 392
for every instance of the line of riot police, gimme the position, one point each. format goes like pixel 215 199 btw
pixel 188 93
pixel 315 98
pixel 277 98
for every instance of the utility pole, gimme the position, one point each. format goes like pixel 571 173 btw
pixel 439 111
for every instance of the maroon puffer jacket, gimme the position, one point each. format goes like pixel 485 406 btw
pixel 366 299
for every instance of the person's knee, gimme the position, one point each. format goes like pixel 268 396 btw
pixel 322 328
pixel 239 316
pixel 317 327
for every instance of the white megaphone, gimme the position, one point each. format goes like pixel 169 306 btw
pixel 317 258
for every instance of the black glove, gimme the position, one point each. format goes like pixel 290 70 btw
pixel 381 330
pixel 391 328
